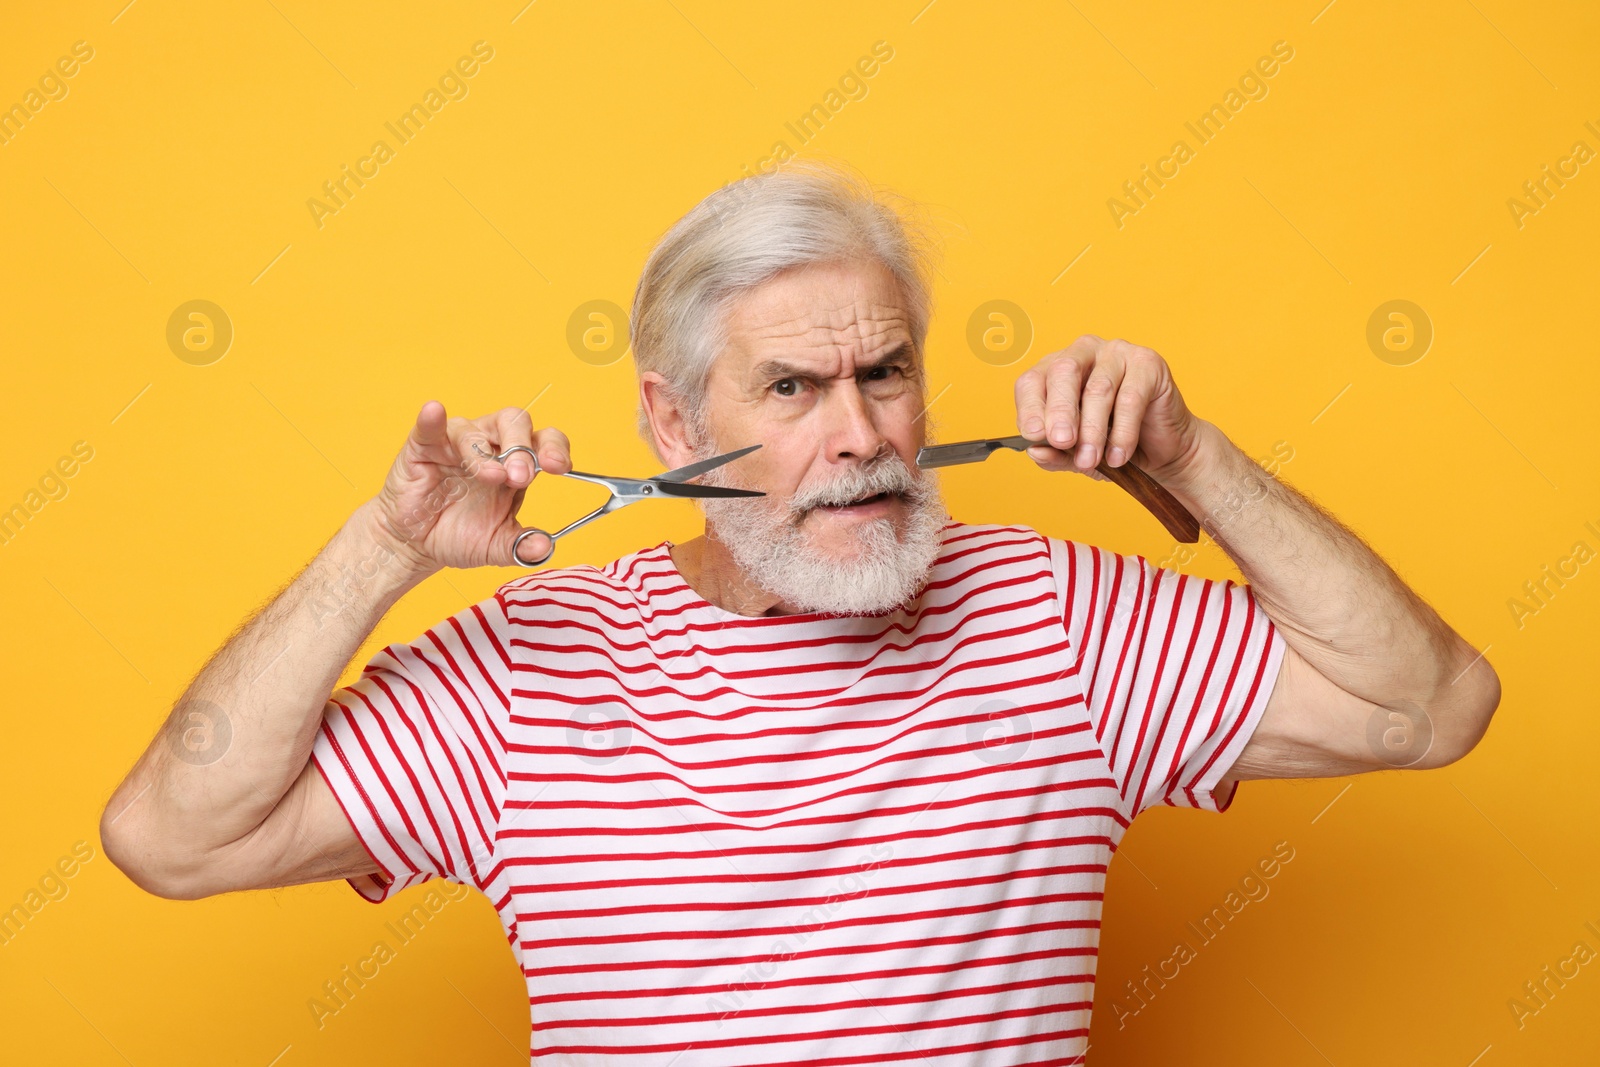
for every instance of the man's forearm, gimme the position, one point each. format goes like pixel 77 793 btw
pixel 242 732
pixel 1337 603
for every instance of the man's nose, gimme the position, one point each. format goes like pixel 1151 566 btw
pixel 853 429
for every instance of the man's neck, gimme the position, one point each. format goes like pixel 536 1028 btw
pixel 708 567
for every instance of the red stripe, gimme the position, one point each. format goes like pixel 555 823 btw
pixel 787 848
pixel 782 655
pixel 338 796
pixel 987 769
pixel 712 933
pixel 720 906
pixel 587 589
pixel 904 1054
pixel 820 872
pixel 851 1031
pixel 749 787
pixel 768 759
pixel 836 978
pixel 404 809
pixel 1162 713
pixel 1250 698
pixel 969 938
pixel 443 742
pixel 816 820
pixel 410 723
pixel 1114 704
pixel 915 712
pixel 497 696
pixel 1218 640
pixel 836 1005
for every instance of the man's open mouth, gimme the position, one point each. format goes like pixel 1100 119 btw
pixel 860 502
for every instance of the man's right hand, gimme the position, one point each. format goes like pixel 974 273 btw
pixel 447 503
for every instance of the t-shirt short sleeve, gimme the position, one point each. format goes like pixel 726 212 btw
pixel 414 751
pixel 1175 671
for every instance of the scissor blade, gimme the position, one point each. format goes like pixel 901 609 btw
pixel 693 470
pixel 968 451
pixel 681 489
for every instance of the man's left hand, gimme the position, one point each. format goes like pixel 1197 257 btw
pixel 1111 400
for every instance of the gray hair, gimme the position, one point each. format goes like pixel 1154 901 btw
pixel 742 235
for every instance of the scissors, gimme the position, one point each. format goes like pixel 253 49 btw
pixel 1145 489
pixel 625 491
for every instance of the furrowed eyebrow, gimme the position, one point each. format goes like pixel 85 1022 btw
pixel 773 370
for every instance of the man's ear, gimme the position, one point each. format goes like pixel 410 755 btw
pixel 668 425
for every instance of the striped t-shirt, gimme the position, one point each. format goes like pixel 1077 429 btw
pixel 812 840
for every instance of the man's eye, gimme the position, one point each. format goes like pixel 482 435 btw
pixel 783 385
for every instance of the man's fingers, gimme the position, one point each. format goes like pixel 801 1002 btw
pixel 532 550
pixel 555 452
pixel 477 446
pixel 1030 404
pixel 1099 393
pixel 1092 398
pixel 513 427
pixel 1054 459
pixel 1064 372
pixel 480 441
pixel 1138 386
pixel 1063 412
pixel 429 434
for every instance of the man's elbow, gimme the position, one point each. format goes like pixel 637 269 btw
pixel 135 851
pixel 1460 717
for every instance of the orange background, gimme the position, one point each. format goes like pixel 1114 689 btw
pixel 1377 166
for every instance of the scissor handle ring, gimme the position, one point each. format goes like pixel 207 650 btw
pixel 517 556
pixel 501 458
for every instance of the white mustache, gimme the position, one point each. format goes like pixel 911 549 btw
pixel 891 477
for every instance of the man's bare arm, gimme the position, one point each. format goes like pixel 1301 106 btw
pixel 226 796
pixel 1372 677
pixel 1367 663
pixel 191 817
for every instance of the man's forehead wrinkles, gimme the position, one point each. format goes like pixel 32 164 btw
pixel 822 330
pixel 813 336
pixel 855 331
pixel 850 314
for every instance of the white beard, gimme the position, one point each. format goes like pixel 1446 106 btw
pixel 774 550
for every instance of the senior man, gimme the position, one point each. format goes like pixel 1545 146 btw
pixel 838 781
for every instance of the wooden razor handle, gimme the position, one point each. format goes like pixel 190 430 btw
pixel 1162 504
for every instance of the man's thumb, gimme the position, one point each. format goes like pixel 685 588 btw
pixel 531 546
